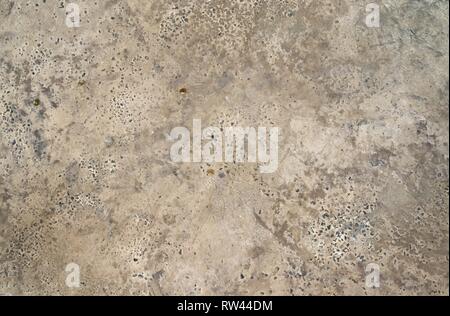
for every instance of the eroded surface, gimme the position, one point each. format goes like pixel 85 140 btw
pixel 85 173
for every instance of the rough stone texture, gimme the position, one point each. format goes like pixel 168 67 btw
pixel 85 174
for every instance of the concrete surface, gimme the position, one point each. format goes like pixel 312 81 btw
pixel 85 173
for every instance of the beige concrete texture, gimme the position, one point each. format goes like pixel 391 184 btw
pixel 86 177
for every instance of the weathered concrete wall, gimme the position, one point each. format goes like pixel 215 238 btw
pixel 86 177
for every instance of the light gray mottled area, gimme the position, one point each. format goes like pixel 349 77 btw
pixel 85 173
